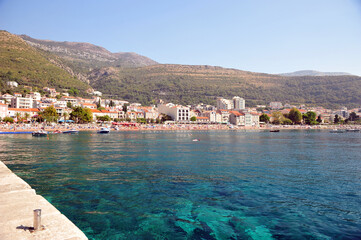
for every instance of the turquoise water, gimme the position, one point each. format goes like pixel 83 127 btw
pixel 229 185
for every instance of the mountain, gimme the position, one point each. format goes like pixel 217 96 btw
pixel 188 84
pixel 135 78
pixel 313 73
pixel 88 56
pixel 28 66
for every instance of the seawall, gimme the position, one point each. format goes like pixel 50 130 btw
pixel 17 203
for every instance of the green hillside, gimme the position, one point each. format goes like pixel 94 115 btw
pixel 68 64
pixel 193 84
pixel 29 66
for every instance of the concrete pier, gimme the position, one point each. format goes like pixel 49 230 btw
pixel 17 204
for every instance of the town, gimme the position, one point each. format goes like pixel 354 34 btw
pixel 35 106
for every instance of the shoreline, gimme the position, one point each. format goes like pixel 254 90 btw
pixel 173 127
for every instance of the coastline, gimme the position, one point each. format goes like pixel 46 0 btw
pixel 170 127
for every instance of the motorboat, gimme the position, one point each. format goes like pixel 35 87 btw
pixel 71 131
pixel 104 130
pixel 40 133
pixel 336 131
pixel 352 130
pixel 196 140
pixel 275 130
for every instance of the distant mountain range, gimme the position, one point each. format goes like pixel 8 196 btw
pixel 90 54
pixel 313 73
pixel 133 77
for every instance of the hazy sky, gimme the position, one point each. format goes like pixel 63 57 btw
pixel 270 36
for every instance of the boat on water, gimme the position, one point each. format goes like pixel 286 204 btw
pixel 336 131
pixel 71 131
pixel 104 130
pixel 352 130
pixel 40 133
pixel 274 130
pixel 196 140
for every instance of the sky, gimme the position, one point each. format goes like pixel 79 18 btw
pixel 271 36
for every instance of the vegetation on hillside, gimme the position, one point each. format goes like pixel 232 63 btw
pixel 193 84
pixel 183 84
pixel 26 65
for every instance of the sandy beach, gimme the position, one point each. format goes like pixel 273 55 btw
pixel 161 127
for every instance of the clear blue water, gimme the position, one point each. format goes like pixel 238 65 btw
pixel 229 185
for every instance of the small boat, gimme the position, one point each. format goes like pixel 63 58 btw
pixel 352 130
pixel 104 130
pixel 336 131
pixel 196 140
pixel 57 131
pixel 71 131
pixel 275 130
pixel 40 133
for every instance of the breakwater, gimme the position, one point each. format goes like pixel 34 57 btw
pixel 17 204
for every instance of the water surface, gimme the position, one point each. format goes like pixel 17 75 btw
pixel 229 185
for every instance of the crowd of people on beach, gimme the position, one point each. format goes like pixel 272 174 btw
pixel 16 127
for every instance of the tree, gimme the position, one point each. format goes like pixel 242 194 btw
pixel 69 105
pixel 295 116
pixel 319 119
pixel 111 104
pixel 353 117
pixel 8 119
pixel 105 118
pixel 125 108
pixel 141 120
pixel 264 118
pixel 193 119
pixel 166 118
pixel 65 115
pixel 337 119
pixel 50 114
pixel 309 118
pixel 99 104
pixel 27 115
pixel 278 118
pixel 18 116
pixel 81 115
pixel 287 121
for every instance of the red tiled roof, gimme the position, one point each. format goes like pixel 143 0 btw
pixel 24 109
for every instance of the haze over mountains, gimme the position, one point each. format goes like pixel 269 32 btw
pixel 133 77
pixel 314 73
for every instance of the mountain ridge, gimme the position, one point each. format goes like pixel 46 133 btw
pixel 313 73
pixel 80 51
pixel 183 84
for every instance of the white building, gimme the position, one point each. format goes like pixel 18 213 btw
pixel 275 105
pixel 21 102
pixel 12 84
pixel 176 112
pixel 223 103
pixel 239 103
pixel 34 95
pixel 7 98
pixel 3 110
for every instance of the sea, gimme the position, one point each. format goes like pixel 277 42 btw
pixel 295 184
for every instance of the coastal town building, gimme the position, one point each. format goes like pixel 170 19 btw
pixel 223 103
pixel 177 112
pixel 275 105
pixel 12 84
pixel 3 110
pixel 21 102
pixel 7 98
pixel 239 103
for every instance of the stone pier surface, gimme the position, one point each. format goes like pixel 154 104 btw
pixel 17 202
